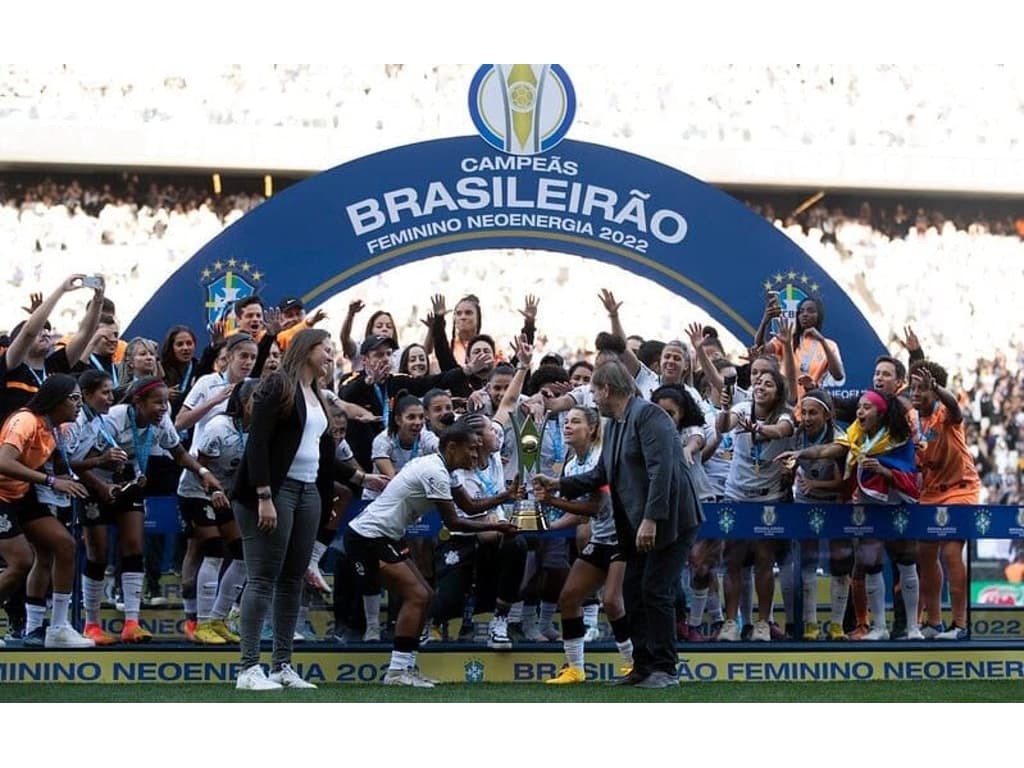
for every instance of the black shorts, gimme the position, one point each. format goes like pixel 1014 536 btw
pixel 601 556
pixel 37 510
pixel 367 555
pixel 95 513
pixel 10 514
pixel 457 552
pixel 200 513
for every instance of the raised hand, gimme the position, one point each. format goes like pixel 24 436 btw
pixel 529 310
pixel 477 400
pixel 355 307
pixel 274 321
pixel 772 308
pixel 910 340
pixel 217 332
pixel 72 283
pixel 753 353
pixel 524 350
pixel 438 305
pixel 924 380
pixel 318 317
pixel 609 303
pixel 428 321
pixel 786 330
pixel 695 333
pixel 34 300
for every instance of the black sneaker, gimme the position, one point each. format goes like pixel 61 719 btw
pixel 747 632
pixel 36 638
pixel 15 633
pixel 515 632
pixel 154 597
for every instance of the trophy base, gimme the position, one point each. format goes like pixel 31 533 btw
pixel 532 522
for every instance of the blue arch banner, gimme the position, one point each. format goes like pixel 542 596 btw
pixel 437 197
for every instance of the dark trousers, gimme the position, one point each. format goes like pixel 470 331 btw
pixel 649 590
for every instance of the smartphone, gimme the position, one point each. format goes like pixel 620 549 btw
pixel 92 281
pixel 730 384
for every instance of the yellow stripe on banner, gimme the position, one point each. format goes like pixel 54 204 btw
pixel 625 253
pixel 850 664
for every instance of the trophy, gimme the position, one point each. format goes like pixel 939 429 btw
pixel 527 515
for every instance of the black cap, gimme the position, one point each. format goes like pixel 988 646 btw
pixel 290 302
pixel 370 343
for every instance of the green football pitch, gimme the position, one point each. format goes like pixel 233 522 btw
pixel 848 692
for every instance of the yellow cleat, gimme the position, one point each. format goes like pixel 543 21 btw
pixel 567 676
pixel 812 631
pixel 835 632
pixel 626 670
pixel 221 628
pixel 205 634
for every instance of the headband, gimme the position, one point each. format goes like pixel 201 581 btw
pixel 822 403
pixel 147 387
pixel 877 400
pixel 239 338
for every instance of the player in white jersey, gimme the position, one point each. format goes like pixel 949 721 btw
pixel 600 562
pixel 372 540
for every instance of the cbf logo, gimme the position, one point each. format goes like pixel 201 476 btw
pixel 474 671
pixel 522 109
pixel 816 519
pixel 1020 516
pixel 900 520
pixel 792 288
pixel 942 516
pixel 768 516
pixel 858 516
pixel 227 282
pixel 726 519
pixel 983 521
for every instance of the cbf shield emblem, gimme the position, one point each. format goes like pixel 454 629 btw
pixel 226 283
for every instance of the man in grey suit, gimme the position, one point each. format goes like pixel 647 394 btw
pixel 657 514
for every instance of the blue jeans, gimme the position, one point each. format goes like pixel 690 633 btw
pixel 276 563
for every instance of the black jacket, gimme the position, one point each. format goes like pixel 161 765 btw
pixel 274 437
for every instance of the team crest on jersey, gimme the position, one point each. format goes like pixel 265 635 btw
pixel 227 282
pixel 769 516
pixel 816 519
pixel 360 568
pixel 858 516
pixel 726 519
pixel 522 109
pixel 983 521
pixel 5 524
pixel 451 557
pixel 900 520
pixel 474 671
pixel 942 516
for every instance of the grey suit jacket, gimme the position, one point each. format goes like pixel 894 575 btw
pixel 642 463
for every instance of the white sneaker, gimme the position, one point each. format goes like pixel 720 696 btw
pixel 234 619
pixel 371 635
pixel 593 634
pixel 879 633
pixel 497 634
pixel 255 679
pixel 415 670
pixel 316 580
pixel 914 633
pixel 287 677
pixel 406 677
pixel 551 633
pixel 66 637
pixel 2 643
pixel 730 632
pixel 762 632
pixel 298 637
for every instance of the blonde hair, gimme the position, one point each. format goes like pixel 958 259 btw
pixel 125 372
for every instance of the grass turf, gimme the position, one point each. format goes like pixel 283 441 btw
pixel 848 692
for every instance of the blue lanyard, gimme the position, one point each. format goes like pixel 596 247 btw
pixel 556 442
pixel 39 379
pixel 62 449
pixel 186 379
pixel 99 366
pixel 240 431
pixel 486 482
pixel 922 435
pixel 384 404
pixel 90 414
pixel 806 358
pixel 413 452
pixel 141 451
pixel 869 443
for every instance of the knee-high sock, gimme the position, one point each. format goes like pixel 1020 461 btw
pixel 371 608
pixel 874 584
pixel 809 585
pixel 714 606
pixel 230 588
pixel 700 599
pixel 746 606
pixel 590 614
pixel 131 586
pixel 840 597
pixel 92 594
pixel 786 579
pixel 206 586
pixel 910 590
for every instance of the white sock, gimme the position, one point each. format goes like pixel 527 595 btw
pixel 34 616
pixel 60 609
pixel 700 599
pixel 92 594
pixel 131 586
pixel 402 660
pixel 318 552
pixel 371 609
pixel 786 579
pixel 590 615
pixel 874 583
pixel 747 596
pixel 910 588
pixel 626 651
pixel 840 597
pixel 547 615
pixel 529 618
pixel 809 577
pixel 574 652
pixel 206 586
pixel 515 613
pixel 230 588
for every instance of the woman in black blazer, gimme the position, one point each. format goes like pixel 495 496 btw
pixel 283 485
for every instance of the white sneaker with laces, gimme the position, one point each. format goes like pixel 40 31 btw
pixel 371 635
pixel 551 633
pixel 287 677
pixel 415 670
pixel 66 637
pixel 592 634
pixel 255 679
pixel 730 632
pixel 914 633
pixel 497 634
pixel 407 678
pixel 879 633
pixel 762 632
